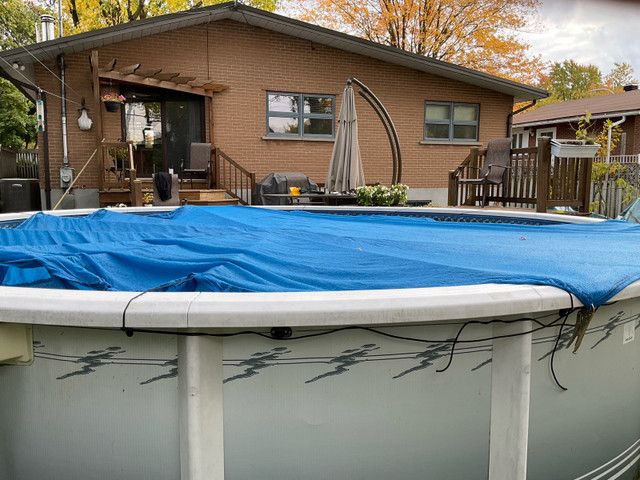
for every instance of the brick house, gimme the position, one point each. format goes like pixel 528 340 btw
pixel 560 120
pixel 233 76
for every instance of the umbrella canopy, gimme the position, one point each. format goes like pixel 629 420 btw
pixel 345 170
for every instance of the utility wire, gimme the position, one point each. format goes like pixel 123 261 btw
pixel 47 68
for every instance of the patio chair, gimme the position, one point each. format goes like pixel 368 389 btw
pixel 166 189
pixel 199 163
pixel 495 169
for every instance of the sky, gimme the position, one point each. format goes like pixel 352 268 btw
pixel 597 32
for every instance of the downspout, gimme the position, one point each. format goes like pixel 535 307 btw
pixel 622 120
pixel 45 146
pixel 63 101
pixel 520 110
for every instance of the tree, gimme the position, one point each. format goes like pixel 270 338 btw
pixel 17 23
pixel 478 34
pixel 85 15
pixel 17 118
pixel 621 75
pixel 569 80
pixel 17 114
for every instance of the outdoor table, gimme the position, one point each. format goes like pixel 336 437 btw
pixel 333 199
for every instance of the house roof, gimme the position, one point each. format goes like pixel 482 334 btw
pixel 259 18
pixel 616 105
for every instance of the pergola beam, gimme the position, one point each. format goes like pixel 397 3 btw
pixel 154 82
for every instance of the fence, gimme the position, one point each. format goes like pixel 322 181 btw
pixel 615 186
pixel 18 163
pixel 27 163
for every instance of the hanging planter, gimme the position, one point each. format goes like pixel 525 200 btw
pixel 112 106
pixel 112 101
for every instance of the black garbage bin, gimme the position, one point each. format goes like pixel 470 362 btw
pixel 20 194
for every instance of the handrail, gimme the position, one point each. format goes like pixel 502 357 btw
pixel 237 181
pixel 385 118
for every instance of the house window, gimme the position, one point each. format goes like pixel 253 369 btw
pixel 300 115
pixel 448 121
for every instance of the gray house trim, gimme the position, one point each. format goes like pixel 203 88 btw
pixel 267 20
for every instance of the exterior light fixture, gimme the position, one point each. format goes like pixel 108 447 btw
pixel 18 66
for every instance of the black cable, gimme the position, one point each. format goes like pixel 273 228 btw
pixel 457 340
pixel 555 347
pixel 129 331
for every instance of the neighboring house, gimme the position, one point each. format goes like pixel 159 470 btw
pixel 263 88
pixel 560 120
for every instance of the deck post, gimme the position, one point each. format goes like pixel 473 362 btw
pixel 95 83
pixel 510 397
pixel 544 174
pixel 452 190
pixel 200 408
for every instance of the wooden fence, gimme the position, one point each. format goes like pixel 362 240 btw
pixel 27 163
pixel 18 163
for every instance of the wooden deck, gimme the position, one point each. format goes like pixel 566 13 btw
pixel 194 196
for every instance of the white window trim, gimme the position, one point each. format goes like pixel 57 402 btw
pixel 540 131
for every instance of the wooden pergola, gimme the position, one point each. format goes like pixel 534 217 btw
pixel 140 75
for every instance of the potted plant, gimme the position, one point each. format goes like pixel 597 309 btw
pixel 112 101
pixel 379 195
pixel 584 145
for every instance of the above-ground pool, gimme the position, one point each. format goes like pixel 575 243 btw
pixel 278 365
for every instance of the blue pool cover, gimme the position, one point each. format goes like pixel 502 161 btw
pixel 244 249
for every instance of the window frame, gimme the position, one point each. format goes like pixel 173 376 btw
pixel 301 116
pixel 451 122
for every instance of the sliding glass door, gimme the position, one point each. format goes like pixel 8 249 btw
pixel 162 125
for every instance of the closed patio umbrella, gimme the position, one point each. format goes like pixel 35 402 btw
pixel 345 169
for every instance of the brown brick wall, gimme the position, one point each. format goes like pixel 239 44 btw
pixel 251 61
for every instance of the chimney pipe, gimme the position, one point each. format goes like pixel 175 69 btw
pixel 47 28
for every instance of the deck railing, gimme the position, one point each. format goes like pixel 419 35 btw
pixel 535 179
pixel 621 159
pixel 238 182
pixel 117 158
pixel 118 170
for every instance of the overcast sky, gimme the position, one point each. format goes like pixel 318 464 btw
pixel 597 32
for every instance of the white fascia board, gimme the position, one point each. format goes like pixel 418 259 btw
pixel 575 119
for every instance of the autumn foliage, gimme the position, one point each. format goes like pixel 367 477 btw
pixel 478 34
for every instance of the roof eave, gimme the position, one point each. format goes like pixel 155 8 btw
pixel 574 118
pixel 271 21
